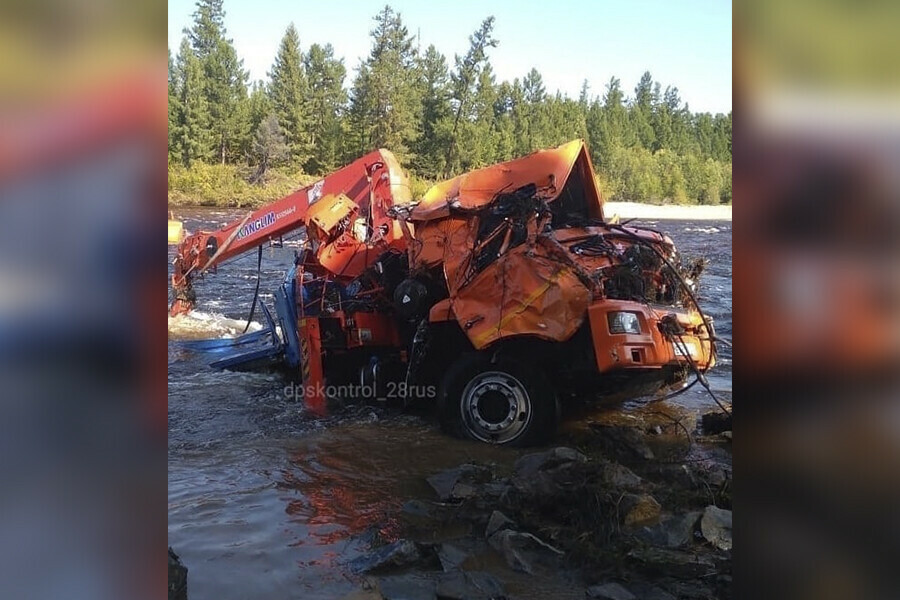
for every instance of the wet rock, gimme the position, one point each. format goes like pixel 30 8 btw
pixel 618 476
pixel 457 483
pixel 451 556
pixel 397 554
pixel 672 563
pixel 639 510
pixel 406 587
pixel 715 422
pixel 531 464
pixel 623 442
pixel 524 552
pixel 547 474
pixel 647 591
pixel 495 489
pixel 715 524
pixel 674 532
pixel 417 509
pixel 496 522
pixel 177 577
pixel 469 585
pixel 610 591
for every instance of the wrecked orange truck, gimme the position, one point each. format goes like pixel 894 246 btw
pixel 497 295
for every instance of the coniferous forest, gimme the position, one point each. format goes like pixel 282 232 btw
pixel 236 142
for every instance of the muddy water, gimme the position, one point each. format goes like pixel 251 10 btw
pixel 266 501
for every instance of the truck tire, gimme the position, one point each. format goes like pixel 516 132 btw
pixel 502 402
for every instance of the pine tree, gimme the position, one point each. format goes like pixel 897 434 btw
pixel 430 148
pixel 464 80
pixel 288 91
pixel 536 122
pixel 386 109
pixel 225 80
pixel 584 96
pixel 174 108
pixel 479 150
pixel 191 140
pixel 326 101
pixel 641 111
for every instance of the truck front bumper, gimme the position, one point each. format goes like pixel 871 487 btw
pixel 645 345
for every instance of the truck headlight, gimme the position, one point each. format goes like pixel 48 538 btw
pixel 623 322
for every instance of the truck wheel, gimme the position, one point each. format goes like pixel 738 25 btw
pixel 499 403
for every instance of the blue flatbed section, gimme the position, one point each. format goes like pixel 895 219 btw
pixel 263 348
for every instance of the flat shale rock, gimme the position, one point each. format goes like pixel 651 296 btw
pixel 524 552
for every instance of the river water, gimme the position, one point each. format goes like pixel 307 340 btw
pixel 267 501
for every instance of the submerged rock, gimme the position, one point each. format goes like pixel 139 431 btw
pixel 715 524
pixel 177 577
pixel 610 591
pixel 397 554
pixel 469 585
pixel 523 552
pixel 406 587
pixel 457 483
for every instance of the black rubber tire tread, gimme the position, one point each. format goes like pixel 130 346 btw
pixel 544 402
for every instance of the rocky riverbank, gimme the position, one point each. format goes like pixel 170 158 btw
pixel 635 512
pixel 636 504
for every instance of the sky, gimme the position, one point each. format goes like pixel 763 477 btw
pixel 686 43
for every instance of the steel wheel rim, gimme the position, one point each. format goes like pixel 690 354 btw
pixel 495 407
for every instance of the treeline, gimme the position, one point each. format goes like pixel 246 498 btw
pixel 439 119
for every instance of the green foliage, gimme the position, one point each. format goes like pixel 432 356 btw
pixel 434 89
pixel 386 108
pixel 191 139
pixel 438 121
pixel 288 90
pixel 325 101
pixel 224 81
pixel 466 81
pixel 228 185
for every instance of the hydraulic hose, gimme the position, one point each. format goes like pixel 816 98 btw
pixel 255 293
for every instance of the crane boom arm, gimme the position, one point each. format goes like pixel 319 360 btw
pixel 368 186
